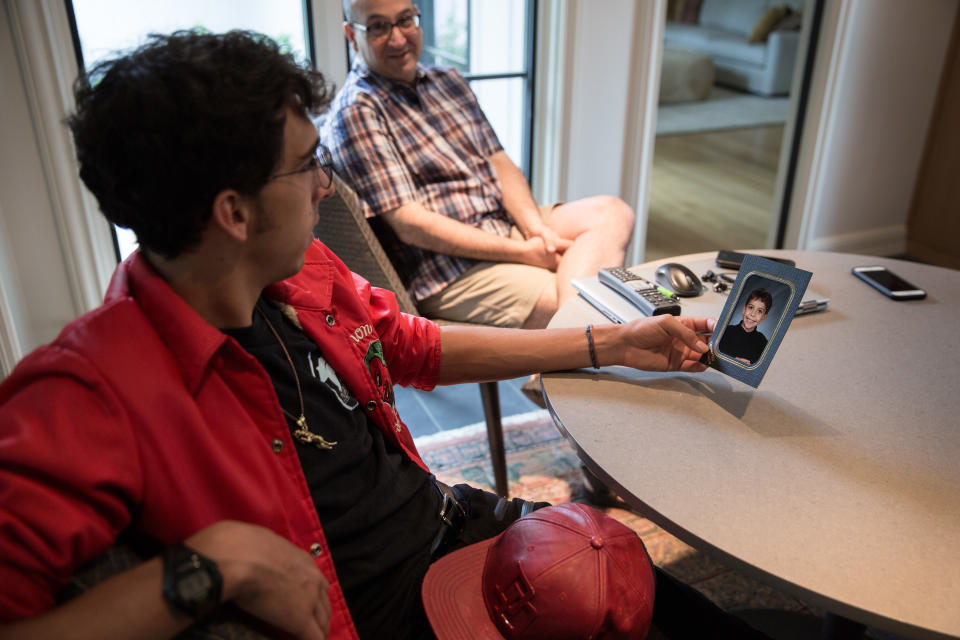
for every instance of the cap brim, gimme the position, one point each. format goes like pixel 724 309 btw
pixel 453 598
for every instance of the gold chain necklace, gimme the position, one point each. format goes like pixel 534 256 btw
pixel 303 433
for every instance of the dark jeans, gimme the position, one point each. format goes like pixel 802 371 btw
pixel 680 611
pixel 487 515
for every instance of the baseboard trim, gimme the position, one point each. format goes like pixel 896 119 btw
pixel 887 241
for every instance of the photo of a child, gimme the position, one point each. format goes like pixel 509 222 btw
pixel 743 340
pixel 762 302
pixel 753 320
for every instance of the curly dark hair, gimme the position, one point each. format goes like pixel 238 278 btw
pixel 161 130
pixel 763 296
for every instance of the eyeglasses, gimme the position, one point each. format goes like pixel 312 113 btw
pixel 381 29
pixel 320 163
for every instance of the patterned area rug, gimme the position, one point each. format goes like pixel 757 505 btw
pixel 542 466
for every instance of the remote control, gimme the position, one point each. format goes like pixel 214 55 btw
pixel 641 292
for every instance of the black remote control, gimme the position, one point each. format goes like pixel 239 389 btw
pixel 641 292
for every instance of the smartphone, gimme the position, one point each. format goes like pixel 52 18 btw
pixel 889 283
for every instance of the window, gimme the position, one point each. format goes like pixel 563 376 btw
pixel 103 27
pixel 490 42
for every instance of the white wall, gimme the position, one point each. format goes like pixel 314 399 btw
pixel 34 283
pixel 331 53
pixel 598 79
pixel 876 86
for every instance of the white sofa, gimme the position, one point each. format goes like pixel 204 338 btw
pixel 723 27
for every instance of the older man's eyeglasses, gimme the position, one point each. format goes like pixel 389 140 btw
pixel 381 29
pixel 321 164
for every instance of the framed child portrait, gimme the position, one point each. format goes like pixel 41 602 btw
pixel 755 318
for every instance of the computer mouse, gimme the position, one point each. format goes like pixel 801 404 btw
pixel 679 279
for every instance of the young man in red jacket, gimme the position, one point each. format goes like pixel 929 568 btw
pixel 231 399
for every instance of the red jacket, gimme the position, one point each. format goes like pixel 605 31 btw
pixel 140 413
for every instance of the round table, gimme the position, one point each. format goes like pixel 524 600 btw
pixel 837 480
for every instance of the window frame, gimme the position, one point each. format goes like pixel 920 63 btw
pixel 528 73
pixel 309 27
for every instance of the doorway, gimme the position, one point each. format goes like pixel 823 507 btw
pixel 725 97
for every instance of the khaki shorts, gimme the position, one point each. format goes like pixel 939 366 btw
pixel 500 294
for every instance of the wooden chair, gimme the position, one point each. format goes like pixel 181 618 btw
pixel 345 230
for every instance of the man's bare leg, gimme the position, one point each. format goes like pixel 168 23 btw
pixel 543 310
pixel 600 228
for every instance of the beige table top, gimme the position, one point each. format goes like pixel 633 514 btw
pixel 837 480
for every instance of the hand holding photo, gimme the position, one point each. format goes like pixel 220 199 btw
pixel 757 314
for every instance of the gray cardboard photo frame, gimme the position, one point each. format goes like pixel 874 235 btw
pixel 761 305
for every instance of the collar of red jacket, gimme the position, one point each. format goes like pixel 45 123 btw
pixel 191 339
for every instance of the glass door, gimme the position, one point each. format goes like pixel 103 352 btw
pixel 727 77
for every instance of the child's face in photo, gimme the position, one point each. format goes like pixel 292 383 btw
pixel 754 313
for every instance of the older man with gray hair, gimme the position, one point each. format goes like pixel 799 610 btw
pixel 455 213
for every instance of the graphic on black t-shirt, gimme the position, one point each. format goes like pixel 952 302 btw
pixel 378 507
pixel 321 370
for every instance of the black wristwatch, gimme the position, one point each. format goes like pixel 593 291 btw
pixel 191 582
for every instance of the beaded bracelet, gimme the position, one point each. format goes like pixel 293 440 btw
pixel 593 352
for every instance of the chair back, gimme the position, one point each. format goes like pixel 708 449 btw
pixel 345 230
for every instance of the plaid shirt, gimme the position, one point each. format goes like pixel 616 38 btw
pixel 430 144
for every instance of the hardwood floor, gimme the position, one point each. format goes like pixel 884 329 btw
pixel 712 190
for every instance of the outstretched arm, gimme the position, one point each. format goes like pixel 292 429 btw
pixel 263 574
pixel 658 343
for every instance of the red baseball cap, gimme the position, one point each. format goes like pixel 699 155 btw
pixel 567 571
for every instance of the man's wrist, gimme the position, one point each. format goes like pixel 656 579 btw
pixel 529 222
pixel 518 251
pixel 607 345
pixel 214 542
pixel 192 583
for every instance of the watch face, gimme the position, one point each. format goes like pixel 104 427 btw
pixel 194 586
pixel 191 582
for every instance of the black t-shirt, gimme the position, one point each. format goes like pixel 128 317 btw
pixel 378 508
pixel 738 343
